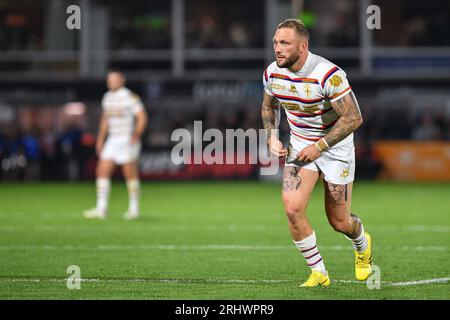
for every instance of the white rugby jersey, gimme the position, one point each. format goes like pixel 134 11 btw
pixel 119 107
pixel 306 96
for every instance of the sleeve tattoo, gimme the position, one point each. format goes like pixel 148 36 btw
pixel 349 120
pixel 269 113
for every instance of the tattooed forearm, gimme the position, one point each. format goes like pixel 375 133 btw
pixel 269 114
pixel 349 119
pixel 291 179
pixel 268 117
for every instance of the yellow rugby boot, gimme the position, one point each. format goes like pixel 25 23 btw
pixel 316 278
pixel 363 261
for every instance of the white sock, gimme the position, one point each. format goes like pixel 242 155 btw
pixel 308 248
pixel 360 242
pixel 133 194
pixel 103 188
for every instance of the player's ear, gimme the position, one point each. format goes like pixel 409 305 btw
pixel 304 44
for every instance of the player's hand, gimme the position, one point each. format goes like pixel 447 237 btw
pixel 308 154
pixel 134 139
pixel 98 147
pixel 276 147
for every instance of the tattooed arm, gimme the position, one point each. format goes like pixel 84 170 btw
pixel 270 115
pixel 349 120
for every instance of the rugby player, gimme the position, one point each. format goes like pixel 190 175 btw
pixel 322 112
pixel 122 123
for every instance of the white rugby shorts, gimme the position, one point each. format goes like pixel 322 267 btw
pixel 120 150
pixel 336 165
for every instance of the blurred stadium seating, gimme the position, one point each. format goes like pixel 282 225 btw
pixel 203 60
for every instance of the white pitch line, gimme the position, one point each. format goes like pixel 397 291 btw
pixel 401 284
pixel 410 228
pixel 413 283
pixel 222 281
pixel 218 281
pixel 206 227
pixel 174 247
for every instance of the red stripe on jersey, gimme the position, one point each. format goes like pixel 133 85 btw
pixel 282 76
pixel 329 73
pixel 310 139
pixel 338 94
pixel 301 125
pixel 265 75
pixel 309 115
pixel 297 98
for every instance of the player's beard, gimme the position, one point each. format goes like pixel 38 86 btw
pixel 289 62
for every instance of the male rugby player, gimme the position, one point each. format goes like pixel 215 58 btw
pixel 323 113
pixel 118 142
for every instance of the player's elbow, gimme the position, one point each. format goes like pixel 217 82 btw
pixel 145 120
pixel 358 122
pixel 142 118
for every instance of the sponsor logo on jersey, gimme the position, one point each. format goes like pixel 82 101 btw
pixel 290 106
pixel 311 109
pixel 293 89
pixel 297 107
pixel 277 86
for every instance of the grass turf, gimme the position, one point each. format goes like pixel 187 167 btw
pixel 215 240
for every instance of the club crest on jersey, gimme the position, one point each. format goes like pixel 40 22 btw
pixel 335 80
pixel 307 89
pixel 293 89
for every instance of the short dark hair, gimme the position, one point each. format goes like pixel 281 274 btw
pixel 116 70
pixel 295 24
pixel 119 72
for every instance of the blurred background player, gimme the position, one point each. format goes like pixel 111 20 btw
pixel 118 143
pixel 323 113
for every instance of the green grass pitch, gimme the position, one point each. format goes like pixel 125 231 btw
pixel 216 240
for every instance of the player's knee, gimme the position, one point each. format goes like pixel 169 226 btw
pixel 293 212
pixel 129 172
pixel 103 170
pixel 99 171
